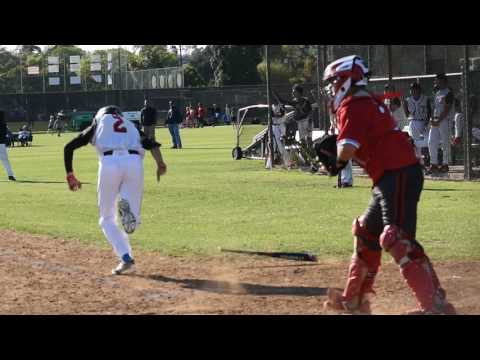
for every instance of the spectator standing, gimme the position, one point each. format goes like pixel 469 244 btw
pixel 174 119
pixel 3 148
pixel 148 119
pixel 192 116
pixel 440 125
pixel 200 115
pixel 215 114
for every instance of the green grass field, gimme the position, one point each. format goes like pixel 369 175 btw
pixel 208 200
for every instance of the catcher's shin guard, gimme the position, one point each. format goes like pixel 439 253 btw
pixel 416 269
pixel 362 270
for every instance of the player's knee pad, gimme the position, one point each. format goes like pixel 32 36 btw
pixel 400 246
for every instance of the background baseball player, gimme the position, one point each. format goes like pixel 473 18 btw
pixel 368 133
pixel 3 148
pixel 120 147
pixel 278 127
pixel 418 110
pixel 60 122
pixel 440 124
pixel 302 112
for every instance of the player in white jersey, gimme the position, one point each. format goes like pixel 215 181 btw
pixel 278 128
pixel 121 150
pixel 417 110
pixel 440 125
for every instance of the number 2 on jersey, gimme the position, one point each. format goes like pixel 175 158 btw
pixel 118 125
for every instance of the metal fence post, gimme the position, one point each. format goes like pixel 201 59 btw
pixel 389 67
pixel 269 116
pixel 466 124
pixel 320 120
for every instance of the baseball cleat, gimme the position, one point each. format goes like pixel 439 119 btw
pixel 336 301
pixel 124 268
pixel 128 219
pixel 12 178
pixel 445 309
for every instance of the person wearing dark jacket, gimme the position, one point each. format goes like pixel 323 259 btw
pixel 148 119
pixel 174 119
pixel 3 148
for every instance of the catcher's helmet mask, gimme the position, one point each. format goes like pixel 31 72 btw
pixel 340 75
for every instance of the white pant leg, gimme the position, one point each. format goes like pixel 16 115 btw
pixel 458 125
pixel 131 188
pixel 5 161
pixel 304 130
pixel 277 134
pixel 444 130
pixel 417 128
pixel 109 182
pixel 347 174
pixel 433 143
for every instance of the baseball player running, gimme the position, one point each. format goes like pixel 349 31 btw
pixel 368 133
pixel 417 110
pixel 121 150
pixel 439 130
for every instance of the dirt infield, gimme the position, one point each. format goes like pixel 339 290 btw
pixel 40 275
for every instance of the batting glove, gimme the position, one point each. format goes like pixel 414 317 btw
pixel 73 182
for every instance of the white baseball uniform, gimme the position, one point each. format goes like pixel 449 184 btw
pixel 441 133
pixel 458 123
pixel 418 120
pixel 119 174
pixel 121 152
pixel 5 161
pixel 278 128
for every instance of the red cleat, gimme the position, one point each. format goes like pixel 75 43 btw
pixel 336 301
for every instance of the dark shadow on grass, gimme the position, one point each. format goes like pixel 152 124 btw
pixel 433 189
pixel 41 182
pixel 233 288
pixel 200 148
pixel 276 266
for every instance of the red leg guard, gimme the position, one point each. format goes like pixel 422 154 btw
pixel 415 267
pixel 363 267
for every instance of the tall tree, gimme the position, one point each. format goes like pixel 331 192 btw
pixel 235 64
pixel 153 56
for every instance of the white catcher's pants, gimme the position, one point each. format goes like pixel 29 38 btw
pixel 440 133
pixel 4 158
pixel 119 175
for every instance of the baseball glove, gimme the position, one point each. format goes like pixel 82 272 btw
pixel 326 152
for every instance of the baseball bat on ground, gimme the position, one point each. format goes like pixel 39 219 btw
pixel 283 255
